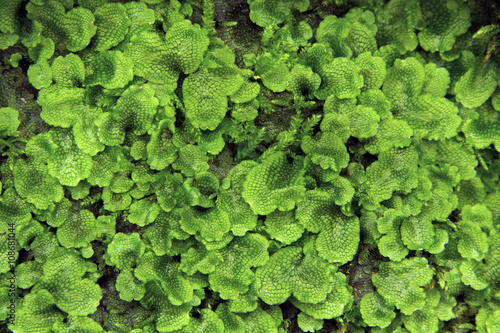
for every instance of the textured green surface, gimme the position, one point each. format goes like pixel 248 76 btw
pixel 250 166
pixel 274 184
pixel 303 274
pixel 400 283
pixel 338 234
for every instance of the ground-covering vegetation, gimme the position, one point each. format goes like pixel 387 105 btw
pixel 250 166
